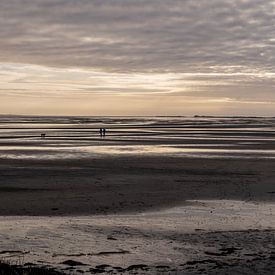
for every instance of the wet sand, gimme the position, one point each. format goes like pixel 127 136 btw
pixel 128 184
pixel 187 196
pixel 150 215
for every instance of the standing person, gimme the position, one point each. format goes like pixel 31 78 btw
pixel 104 132
pixel 101 132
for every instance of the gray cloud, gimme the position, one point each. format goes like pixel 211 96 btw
pixel 152 35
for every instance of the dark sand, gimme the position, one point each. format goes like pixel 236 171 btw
pixel 128 184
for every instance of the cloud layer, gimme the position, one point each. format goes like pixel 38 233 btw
pixel 207 49
pixel 126 35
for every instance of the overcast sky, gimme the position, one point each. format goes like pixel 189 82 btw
pixel 142 57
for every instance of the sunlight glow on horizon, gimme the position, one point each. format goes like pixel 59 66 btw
pixel 91 92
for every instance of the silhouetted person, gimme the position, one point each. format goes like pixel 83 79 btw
pixel 104 132
pixel 101 132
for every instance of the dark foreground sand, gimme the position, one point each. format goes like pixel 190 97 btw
pixel 143 214
pixel 128 184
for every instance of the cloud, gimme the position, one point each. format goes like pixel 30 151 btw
pixel 177 51
pixel 126 35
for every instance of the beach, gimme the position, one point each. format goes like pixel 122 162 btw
pixel 185 195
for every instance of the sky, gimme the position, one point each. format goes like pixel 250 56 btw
pixel 137 57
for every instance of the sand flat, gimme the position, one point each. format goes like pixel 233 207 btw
pixel 178 195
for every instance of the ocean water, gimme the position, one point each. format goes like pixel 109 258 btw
pixel 78 137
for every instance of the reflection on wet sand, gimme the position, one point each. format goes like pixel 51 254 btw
pixel 20 137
